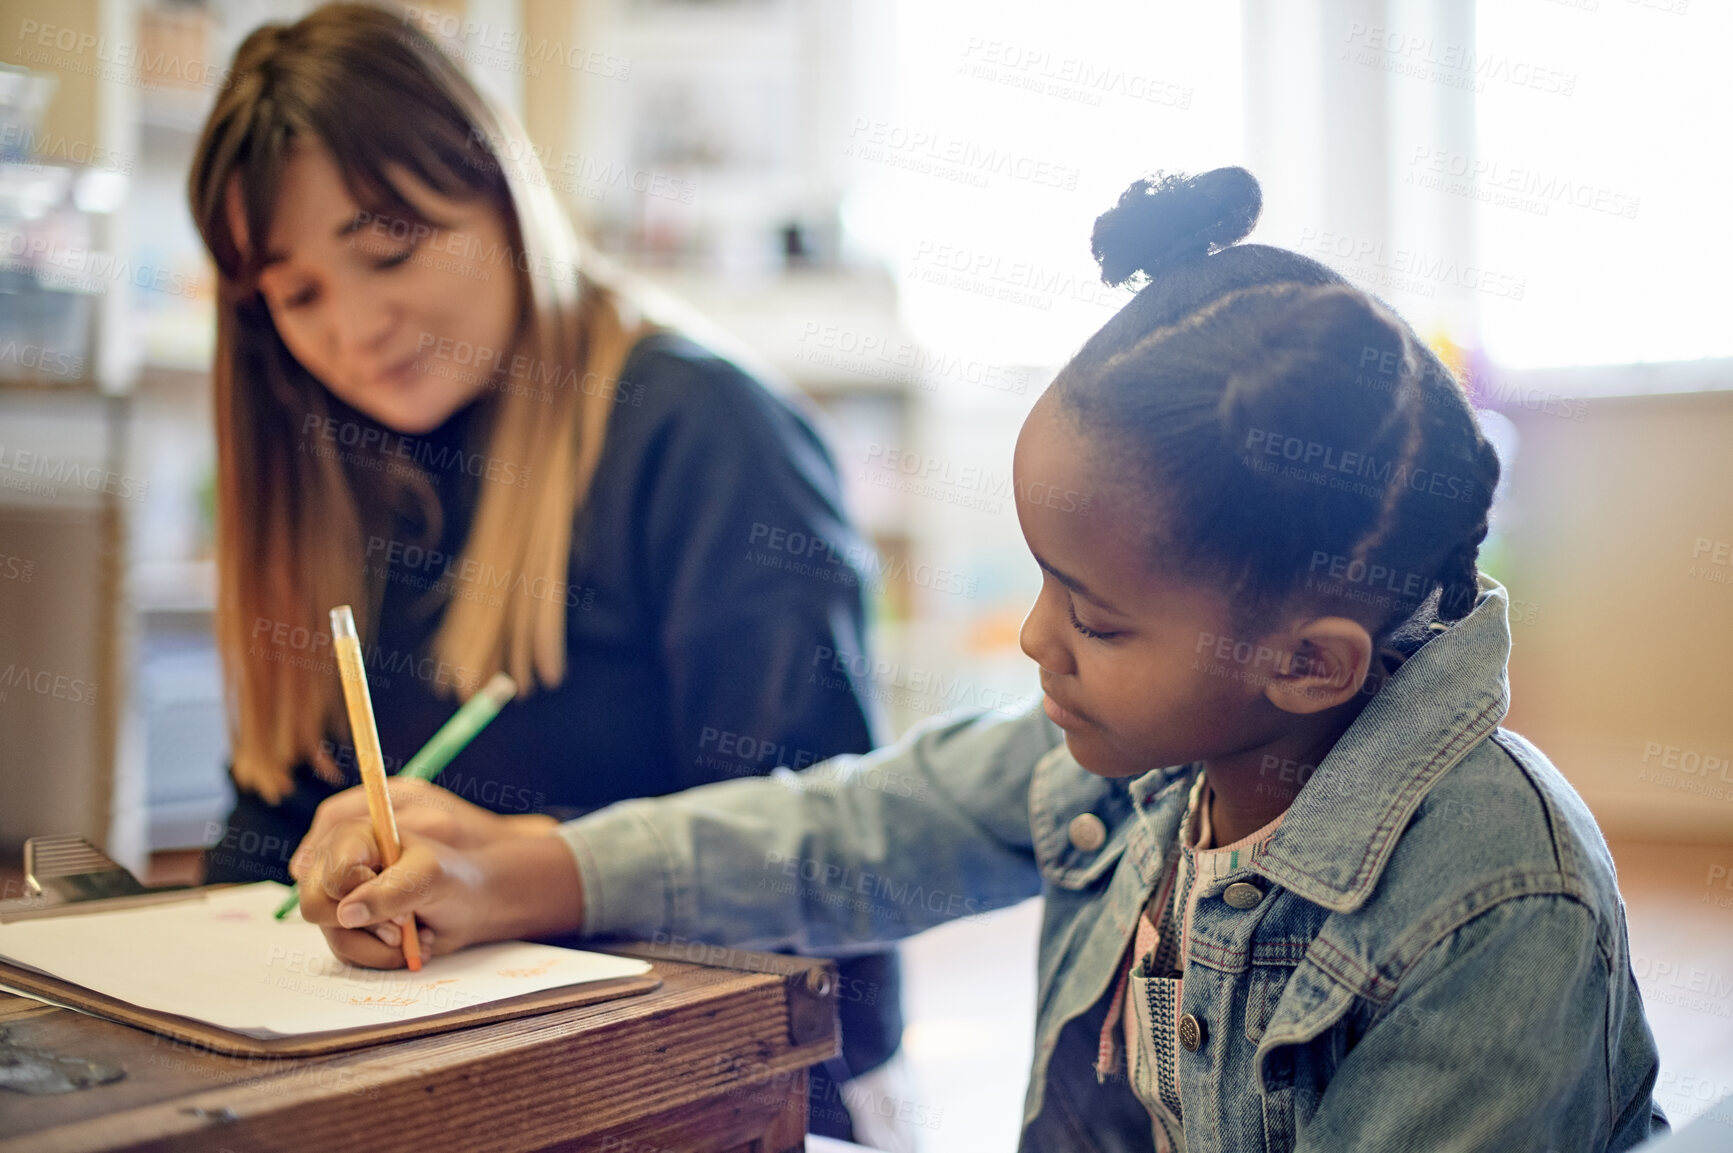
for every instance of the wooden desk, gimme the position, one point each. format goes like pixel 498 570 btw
pixel 714 1061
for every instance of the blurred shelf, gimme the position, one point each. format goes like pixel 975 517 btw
pixel 174 379
pixel 53 386
pixel 175 587
pixel 829 331
pixel 175 109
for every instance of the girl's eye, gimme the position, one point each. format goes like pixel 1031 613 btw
pixel 297 299
pixel 395 259
pixel 1092 634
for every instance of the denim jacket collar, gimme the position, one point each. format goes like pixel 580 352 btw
pixel 1341 829
pixel 1339 832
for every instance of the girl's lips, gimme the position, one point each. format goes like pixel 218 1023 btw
pixel 1060 715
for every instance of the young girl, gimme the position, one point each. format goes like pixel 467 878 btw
pixel 1301 891
pixel 431 406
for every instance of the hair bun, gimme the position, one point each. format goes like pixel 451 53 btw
pixel 1163 220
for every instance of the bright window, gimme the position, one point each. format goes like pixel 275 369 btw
pixel 1611 200
pixel 1007 128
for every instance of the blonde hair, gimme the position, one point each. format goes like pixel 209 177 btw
pixel 293 525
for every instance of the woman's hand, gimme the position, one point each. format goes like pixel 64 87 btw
pixel 514 878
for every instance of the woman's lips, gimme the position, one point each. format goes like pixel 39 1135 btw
pixel 402 371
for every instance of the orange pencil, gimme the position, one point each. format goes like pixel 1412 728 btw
pixel 365 734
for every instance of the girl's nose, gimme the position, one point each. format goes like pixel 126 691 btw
pixel 1040 639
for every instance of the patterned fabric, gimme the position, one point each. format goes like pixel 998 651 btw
pixel 1147 998
pixel 1148 938
pixel 1152 1010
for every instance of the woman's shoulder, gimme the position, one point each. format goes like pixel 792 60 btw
pixel 671 376
pixel 692 420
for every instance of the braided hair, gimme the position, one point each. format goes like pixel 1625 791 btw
pixel 1291 438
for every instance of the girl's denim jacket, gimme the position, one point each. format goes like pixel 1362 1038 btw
pixel 1437 962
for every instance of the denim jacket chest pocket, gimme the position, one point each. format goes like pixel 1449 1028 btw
pixel 1277 948
pixel 1252 973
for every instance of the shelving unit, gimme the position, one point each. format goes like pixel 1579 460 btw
pixel 66 493
pixel 761 251
pixel 132 415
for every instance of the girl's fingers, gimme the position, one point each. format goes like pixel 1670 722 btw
pixel 429 820
pixel 348 805
pixel 360 947
pixel 347 857
pixel 419 807
pixel 391 933
pixel 346 860
pixel 417 879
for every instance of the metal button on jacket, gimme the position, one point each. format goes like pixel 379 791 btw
pixel 1087 832
pixel 1242 895
pixel 1192 1033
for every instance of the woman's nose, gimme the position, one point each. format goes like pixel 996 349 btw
pixel 361 320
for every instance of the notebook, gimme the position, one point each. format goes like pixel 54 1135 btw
pixel 220 959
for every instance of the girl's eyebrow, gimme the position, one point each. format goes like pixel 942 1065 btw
pixel 1076 586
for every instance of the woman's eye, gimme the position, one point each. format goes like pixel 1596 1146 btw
pixel 395 259
pixel 1083 628
pixel 297 299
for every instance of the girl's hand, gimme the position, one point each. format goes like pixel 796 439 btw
pixel 517 884
pixel 432 879
pixel 421 808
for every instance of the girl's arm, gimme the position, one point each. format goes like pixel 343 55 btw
pixel 851 854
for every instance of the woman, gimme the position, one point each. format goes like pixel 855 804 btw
pixel 431 407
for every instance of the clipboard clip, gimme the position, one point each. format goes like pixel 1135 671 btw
pixel 69 868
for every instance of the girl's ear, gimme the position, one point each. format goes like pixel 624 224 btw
pixel 1327 660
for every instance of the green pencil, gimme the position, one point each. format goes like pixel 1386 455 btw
pixel 449 741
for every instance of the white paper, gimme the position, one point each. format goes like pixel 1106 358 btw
pixel 225 960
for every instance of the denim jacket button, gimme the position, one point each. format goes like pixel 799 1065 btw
pixel 1192 1032
pixel 1087 832
pixel 1242 895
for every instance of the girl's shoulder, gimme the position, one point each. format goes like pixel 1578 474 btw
pixel 1502 824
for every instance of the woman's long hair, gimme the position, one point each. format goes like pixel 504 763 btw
pixel 293 517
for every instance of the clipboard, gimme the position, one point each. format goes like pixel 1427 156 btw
pixel 228 1041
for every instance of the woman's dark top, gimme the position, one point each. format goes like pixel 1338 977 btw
pixel 715 600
